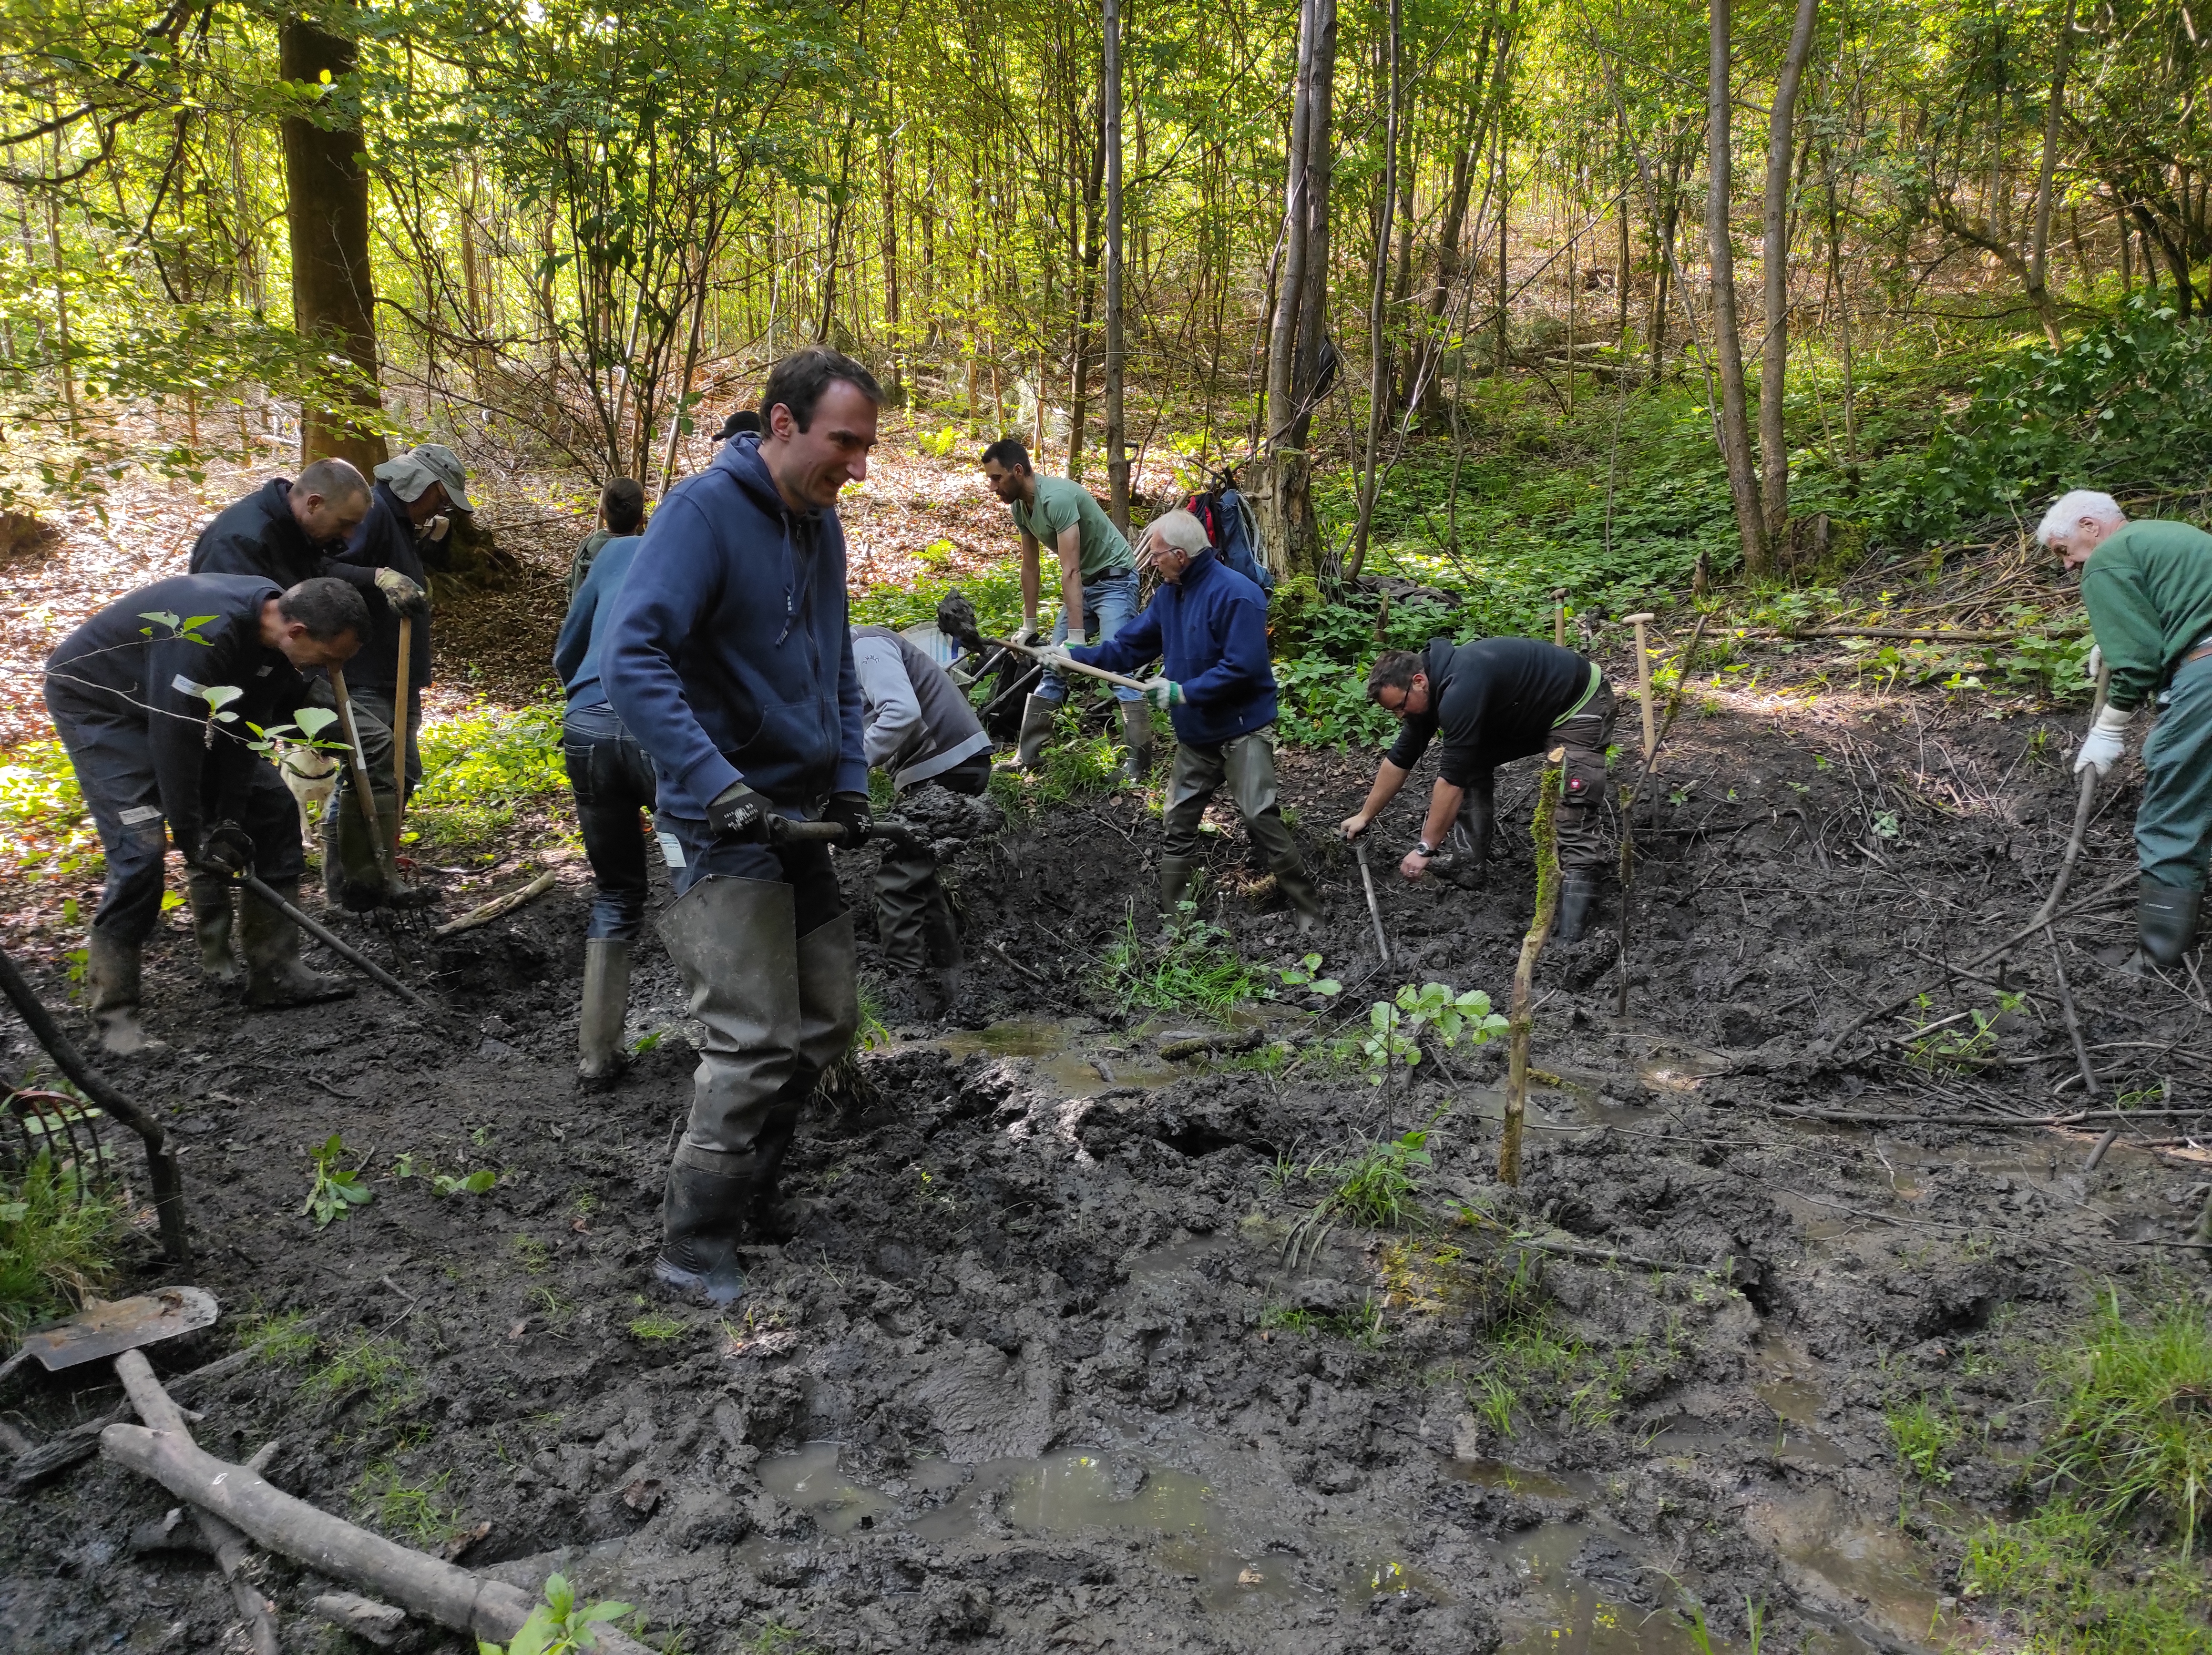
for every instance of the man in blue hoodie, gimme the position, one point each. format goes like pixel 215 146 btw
pixel 1208 625
pixel 725 654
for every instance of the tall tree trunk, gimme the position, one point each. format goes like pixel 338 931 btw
pixel 1379 343
pixel 2038 250
pixel 1735 431
pixel 1774 354
pixel 326 214
pixel 1117 428
pixel 1298 339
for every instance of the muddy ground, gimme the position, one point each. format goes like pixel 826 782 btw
pixel 1032 1371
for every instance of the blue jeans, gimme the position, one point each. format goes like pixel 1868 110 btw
pixel 2173 824
pixel 1110 604
pixel 613 781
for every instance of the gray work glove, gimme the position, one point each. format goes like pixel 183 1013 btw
pixel 402 593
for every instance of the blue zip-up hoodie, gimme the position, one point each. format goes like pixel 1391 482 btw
pixel 726 652
pixel 1210 629
pixel 576 655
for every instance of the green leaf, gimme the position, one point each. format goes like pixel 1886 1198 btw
pixel 1326 985
pixel 160 618
pixel 220 695
pixel 314 721
pixel 14 1212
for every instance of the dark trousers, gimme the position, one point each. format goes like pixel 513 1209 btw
pixel 914 919
pixel 693 849
pixel 613 781
pixel 1580 825
pixel 115 772
pixel 1246 763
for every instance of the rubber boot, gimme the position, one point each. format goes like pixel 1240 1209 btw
pixel 1292 879
pixel 600 1057
pixel 2166 923
pixel 274 975
pixel 704 1219
pixel 110 987
pixel 209 895
pixel 398 893
pixel 1578 896
pixel 1466 858
pixel 1037 714
pixel 1137 738
pixel 1177 874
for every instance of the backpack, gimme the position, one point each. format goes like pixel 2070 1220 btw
pixel 1234 531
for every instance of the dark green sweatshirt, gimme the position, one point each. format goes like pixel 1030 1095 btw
pixel 2149 591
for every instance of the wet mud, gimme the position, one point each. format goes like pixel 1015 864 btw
pixel 1053 1357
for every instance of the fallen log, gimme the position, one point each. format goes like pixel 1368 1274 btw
pixel 377 1623
pixel 485 912
pixel 1197 1045
pixel 80 1443
pixel 490 1611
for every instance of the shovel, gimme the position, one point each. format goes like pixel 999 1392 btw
pixel 101 1330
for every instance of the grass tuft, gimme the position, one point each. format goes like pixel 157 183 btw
pixel 1191 969
pixel 2133 1439
pixel 54 1248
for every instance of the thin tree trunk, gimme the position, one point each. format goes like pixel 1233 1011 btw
pixel 1774 354
pixel 1378 345
pixel 1117 430
pixel 1735 429
pixel 2039 251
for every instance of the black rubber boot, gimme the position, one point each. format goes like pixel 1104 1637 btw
pixel 705 1217
pixel 1466 858
pixel 1037 714
pixel 111 988
pixel 2166 923
pixel 1292 879
pixel 274 975
pixel 1177 874
pixel 1137 738
pixel 600 1058
pixel 209 895
pixel 1578 896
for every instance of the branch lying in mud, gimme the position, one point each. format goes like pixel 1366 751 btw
pixel 485 913
pixel 80 1443
pixel 1871 1117
pixel 1477 1220
pixel 438 1590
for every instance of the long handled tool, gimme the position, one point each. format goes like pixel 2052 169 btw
pixel 1644 680
pixel 323 934
pixel 2086 803
pixel 107 1329
pixel 1374 907
pixel 1058 664
pixel 400 735
pixel 364 794
pixel 782 830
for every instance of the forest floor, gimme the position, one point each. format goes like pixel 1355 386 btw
pixel 1057 1354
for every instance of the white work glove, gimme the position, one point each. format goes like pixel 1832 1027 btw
pixel 435 529
pixel 400 592
pixel 2107 739
pixel 1056 656
pixel 1163 693
pixel 1030 633
pixel 2095 664
pixel 1076 639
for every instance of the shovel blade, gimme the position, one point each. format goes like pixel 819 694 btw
pixel 108 1330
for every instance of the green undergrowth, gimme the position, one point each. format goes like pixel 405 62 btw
pixel 373 1371
pixel 2112 1561
pixel 419 1513
pixel 55 1248
pixel 1073 766
pixel 484 768
pixel 1192 967
pixel 45 832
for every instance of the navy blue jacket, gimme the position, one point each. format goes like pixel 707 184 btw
pixel 1210 629
pixel 385 539
pixel 576 656
pixel 725 650
pixel 121 668
pixel 259 536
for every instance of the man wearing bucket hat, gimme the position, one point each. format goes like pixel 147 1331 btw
pixel 408 509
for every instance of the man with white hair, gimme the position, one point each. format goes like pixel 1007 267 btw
pixel 1208 625
pixel 2147 587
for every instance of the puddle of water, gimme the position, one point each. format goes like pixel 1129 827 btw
pixel 1862 1561
pixel 810 1481
pixel 1056 1050
pixel 1514 1479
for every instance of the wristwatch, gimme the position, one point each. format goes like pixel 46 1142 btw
pixel 1422 848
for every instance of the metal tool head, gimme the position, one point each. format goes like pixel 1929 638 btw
pixel 108 1330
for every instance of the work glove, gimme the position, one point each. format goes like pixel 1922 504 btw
pixel 851 812
pixel 2095 664
pixel 435 529
pixel 1030 632
pixel 2107 739
pixel 738 812
pixel 1056 656
pixel 1163 693
pixel 228 849
pixel 1077 639
pixel 402 593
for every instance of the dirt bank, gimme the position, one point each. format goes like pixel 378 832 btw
pixel 1032 1368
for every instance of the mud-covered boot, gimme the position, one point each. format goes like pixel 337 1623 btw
pixel 2166 923
pixel 111 988
pixel 1177 874
pixel 274 974
pixel 1578 896
pixel 1137 739
pixel 1037 714
pixel 704 1218
pixel 1292 879
pixel 600 1058
pixel 1466 858
pixel 398 893
pixel 209 895
pixel 354 876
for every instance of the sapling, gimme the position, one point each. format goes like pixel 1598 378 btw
pixel 1397 1026
pixel 336 1190
pixel 560 1624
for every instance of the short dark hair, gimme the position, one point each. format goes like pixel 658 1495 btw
pixel 1394 669
pixel 799 380
pixel 333 479
pixel 326 607
pixel 1009 452
pixel 623 502
pixel 740 421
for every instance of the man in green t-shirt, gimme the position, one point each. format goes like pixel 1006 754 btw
pixel 1098 590
pixel 2147 587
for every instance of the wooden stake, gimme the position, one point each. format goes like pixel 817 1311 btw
pixel 1521 1020
pixel 364 794
pixel 399 735
pixel 1644 680
pixel 1560 616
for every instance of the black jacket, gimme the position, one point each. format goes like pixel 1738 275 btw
pixel 124 667
pixel 385 540
pixel 1494 700
pixel 259 536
